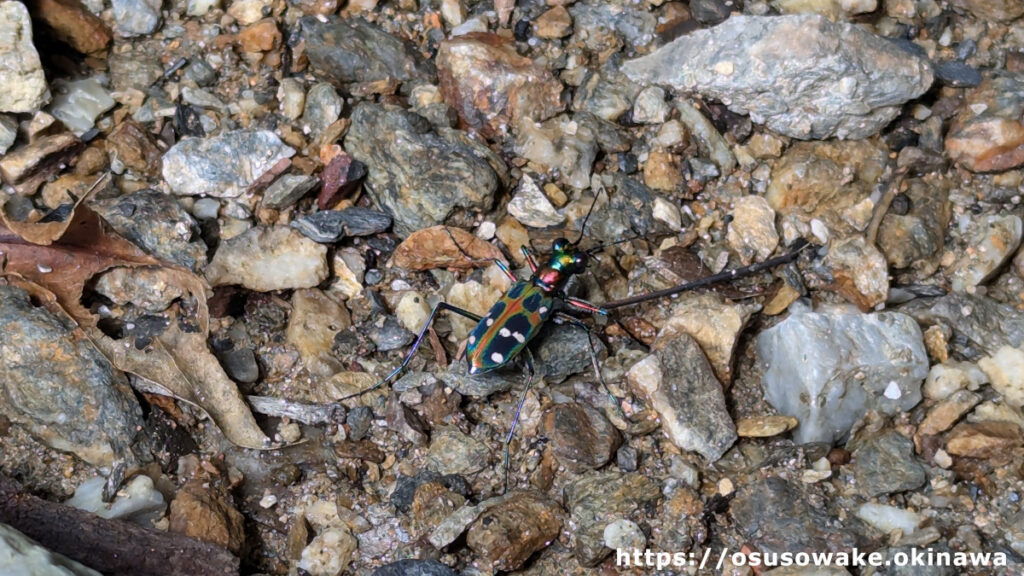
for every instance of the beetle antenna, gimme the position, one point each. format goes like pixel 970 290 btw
pixel 603 245
pixel 583 228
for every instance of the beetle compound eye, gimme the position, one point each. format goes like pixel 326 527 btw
pixel 580 261
pixel 560 244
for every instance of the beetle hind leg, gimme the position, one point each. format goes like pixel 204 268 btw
pixel 416 345
pixel 528 358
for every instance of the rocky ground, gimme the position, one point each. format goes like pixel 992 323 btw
pixel 220 220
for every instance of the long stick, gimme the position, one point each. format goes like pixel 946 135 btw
pixel 724 276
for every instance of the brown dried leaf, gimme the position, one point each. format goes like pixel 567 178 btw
pixel 45 231
pixel 177 363
pixel 436 247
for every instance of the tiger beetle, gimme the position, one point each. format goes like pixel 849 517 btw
pixel 503 333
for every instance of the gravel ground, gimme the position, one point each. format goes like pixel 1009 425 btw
pixel 224 222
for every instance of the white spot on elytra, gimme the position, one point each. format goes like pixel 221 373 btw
pixel 497 357
pixel 490 321
pixel 472 339
pixel 504 333
pixel 543 310
pixel 519 337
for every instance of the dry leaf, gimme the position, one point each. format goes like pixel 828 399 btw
pixel 178 363
pixel 52 226
pixel 436 247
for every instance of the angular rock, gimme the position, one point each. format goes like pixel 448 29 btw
pixel 987 134
pixel 265 259
pixel 288 189
pixel 352 50
pixel 599 499
pixel 916 238
pixel 765 426
pixel 414 567
pixel 222 166
pixel 492 87
pixel 829 369
pixel 323 107
pixel 135 148
pixel 507 534
pixel 27 167
pixel 601 26
pixel 681 387
pixel 452 452
pixel 562 351
pixel 8 132
pixel 136 17
pixel 137 501
pixel 859 271
pixel 885 464
pixel 561 145
pixel 329 226
pixel 581 437
pixel 531 207
pixel 982 321
pixel 775 516
pixel 205 511
pixel 1005 368
pixel 994 240
pixel 72 23
pixel 418 175
pixel 62 390
pixel 330 552
pixel 984 439
pixel 314 322
pixel 21 71
pixel 1003 10
pixel 801 75
pixel 156 223
pixel 752 229
pixel 77 104
pixel 714 323
pixel 943 415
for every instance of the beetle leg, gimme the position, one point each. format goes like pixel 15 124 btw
pixel 529 259
pixel 504 268
pixel 528 358
pixel 416 345
pixel 581 304
pixel 562 317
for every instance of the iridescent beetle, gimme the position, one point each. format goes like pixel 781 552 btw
pixel 517 317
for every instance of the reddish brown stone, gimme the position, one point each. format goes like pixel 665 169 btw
pixel 136 148
pixel 72 23
pixel 206 513
pixel 491 86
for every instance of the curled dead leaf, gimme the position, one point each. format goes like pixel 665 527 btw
pixel 176 361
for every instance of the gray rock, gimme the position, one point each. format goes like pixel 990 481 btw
pixel 201 73
pixel 388 334
pixel 801 75
pixel 531 207
pixel 991 243
pixel 603 25
pixel 156 223
pixel 328 226
pixel 77 104
pixel 599 499
pixel 650 106
pixel 224 165
pixel 419 175
pixel 957 74
pixel 137 501
pixel 22 556
pixel 62 390
pixel 711 142
pixel 451 452
pixel 288 190
pixel 573 142
pixel 712 12
pixel 983 322
pixel 359 420
pixel 136 17
pixel 607 94
pixel 21 72
pixel 240 364
pixel 352 50
pixel 323 108
pixel 481 385
pixel 562 352
pixel 828 369
pixel 414 567
pixel 581 437
pixel 778 517
pixel 681 386
pixel 885 464
pixel 8 132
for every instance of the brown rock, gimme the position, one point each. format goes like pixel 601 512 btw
pixel 431 504
pixel 661 171
pixel 136 148
pixel 581 437
pixel 555 23
pixel 507 534
pixel 1003 10
pixel 491 86
pixel 765 426
pixel 262 36
pixel 206 513
pixel 943 415
pixel 983 439
pixel 988 133
pixel 444 246
pixel 72 23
